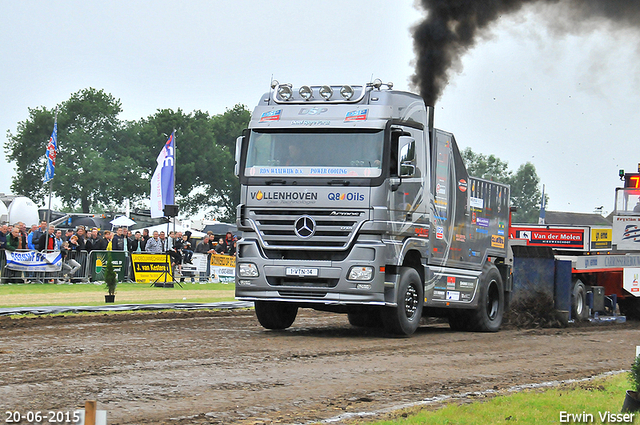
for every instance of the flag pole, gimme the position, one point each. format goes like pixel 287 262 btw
pixel 175 157
pixel 51 180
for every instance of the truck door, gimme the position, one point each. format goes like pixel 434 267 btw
pixel 406 204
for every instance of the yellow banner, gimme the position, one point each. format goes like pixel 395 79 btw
pixel 149 268
pixel 601 238
pixel 223 260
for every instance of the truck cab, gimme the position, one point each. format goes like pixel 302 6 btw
pixel 351 201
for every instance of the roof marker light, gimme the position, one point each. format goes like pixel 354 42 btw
pixel 346 92
pixel 377 83
pixel 305 92
pixel 326 92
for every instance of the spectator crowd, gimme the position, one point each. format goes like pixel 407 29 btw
pixel 69 242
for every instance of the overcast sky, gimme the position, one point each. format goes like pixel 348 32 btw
pixel 567 103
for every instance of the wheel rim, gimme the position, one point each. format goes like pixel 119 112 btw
pixel 411 301
pixel 493 301
pixel 579 304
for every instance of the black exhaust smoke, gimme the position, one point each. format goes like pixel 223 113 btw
pixel 453 26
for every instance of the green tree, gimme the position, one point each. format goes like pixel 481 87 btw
pixel 204 156
pixel 525 193
pixel 103 160
pixel 92 166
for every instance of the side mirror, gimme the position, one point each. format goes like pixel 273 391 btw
pixel 236 167
pixel 407 156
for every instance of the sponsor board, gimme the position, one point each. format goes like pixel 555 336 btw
pixel 149 268
pixel 601 238
pixel 223 274
pixel 34 261
pixel 626 232
pixel 552 237
pixel 223 260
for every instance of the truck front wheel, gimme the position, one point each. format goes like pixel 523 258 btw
pixel 404 319
pixel 488 316
pixel 276 315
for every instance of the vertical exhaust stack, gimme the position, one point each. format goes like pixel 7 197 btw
pixel 430 113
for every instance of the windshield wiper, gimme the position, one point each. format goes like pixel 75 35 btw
pixel 342 182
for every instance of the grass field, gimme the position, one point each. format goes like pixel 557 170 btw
pixel 47 294
pixel 589 401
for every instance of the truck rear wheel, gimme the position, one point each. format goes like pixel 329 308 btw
pixel 404 319
pixel 488 316
pixel 276 315
pixel 579 310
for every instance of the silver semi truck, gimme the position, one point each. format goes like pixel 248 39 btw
pixel 352 202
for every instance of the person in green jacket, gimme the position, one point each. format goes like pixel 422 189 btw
pixel 16 240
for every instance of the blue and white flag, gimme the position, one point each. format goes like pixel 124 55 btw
pixel 162 183
pixel 34 261
pixel 52 152
pixel 542 205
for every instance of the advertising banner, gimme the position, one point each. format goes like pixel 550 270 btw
pixel 626 232
pixel 149 268
pixel 574 238
pixel 34 261
pixel 200 262
pixel 223 268
pixel 98 263
pixel 223 260
pixel 601 239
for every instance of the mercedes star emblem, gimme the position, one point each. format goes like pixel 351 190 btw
pixel 305 227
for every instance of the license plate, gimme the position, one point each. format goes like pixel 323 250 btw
pixel 301 271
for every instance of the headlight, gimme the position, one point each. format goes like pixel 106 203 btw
pixel 247 270
pixel 346 92
pixel 326 92
pixel 360 273
pixel 285 92
pixel 305 92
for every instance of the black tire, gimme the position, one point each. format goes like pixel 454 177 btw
pixel 488 316
pixel 459 321
pixel 404 319
pixel 579 309
pixel 276 315
pixel 365 317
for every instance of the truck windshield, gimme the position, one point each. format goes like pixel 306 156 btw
pixel 315 153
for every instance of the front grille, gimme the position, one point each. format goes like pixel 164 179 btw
pixel 332 231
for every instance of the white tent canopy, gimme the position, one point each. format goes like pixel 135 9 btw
pixel 170 227
pixel 122 221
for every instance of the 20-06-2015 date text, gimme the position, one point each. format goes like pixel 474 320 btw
pixel 42 417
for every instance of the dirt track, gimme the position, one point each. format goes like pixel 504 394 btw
pixel 223 368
